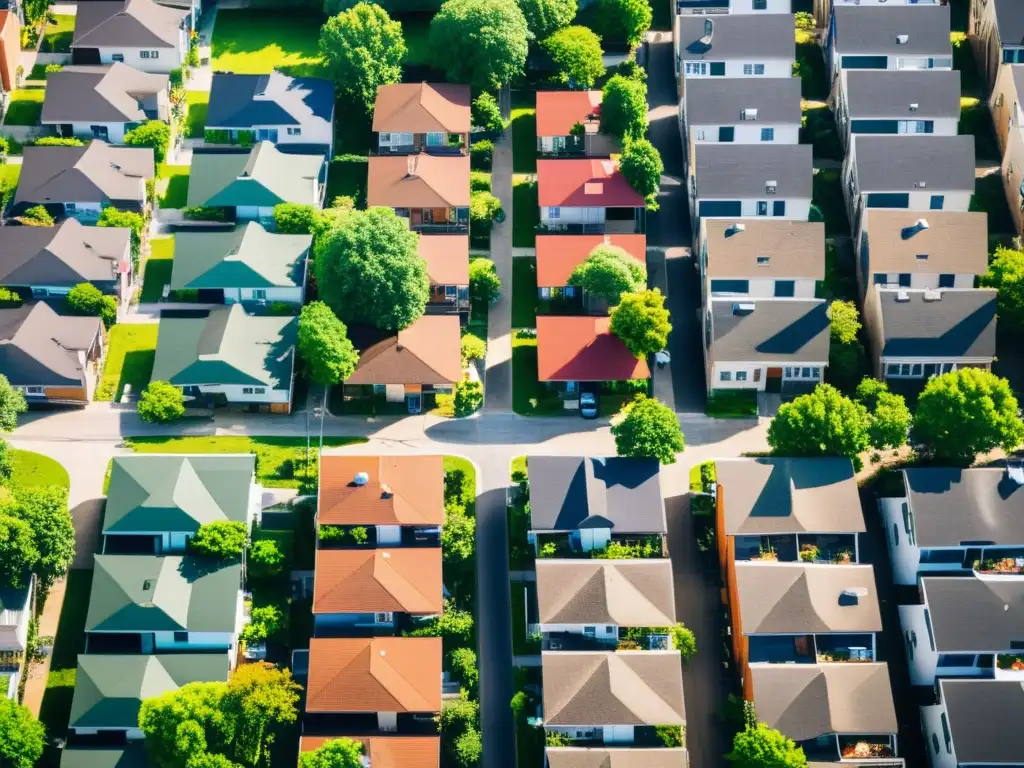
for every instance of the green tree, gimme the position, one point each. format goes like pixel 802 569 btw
pixel 161 402
pixel 260 698
pixel 487 114
pixel 368 270
pixel 469 396
pixel 484 283
pixel 468 748
pixel 45 510
pixel 764 747
pixel 454 626
pixel 624 108
pixel 545 17
pixel 576 53
pixel 336 753
pixel 483 208
pixel 87 299
pixel 642 322
pixel 12 403
pixel 37 216
pixel 266 559
pixel 6 462
pixel 207 760
pixel 641 164
pixel 112 217
pixel 684 641
pixel 845 322
pixel 264 621
pixel 324 345
pixel 624 20
pixel 964 413
pixel 152 133
pixel 22 737
pixel 295 218
pixel 1006 273
pixel 363 49
pixel 890 417
pixel 223 539
pixel 646 428
pixel 18 553
pixel 821 423
pixel 480 42
pixel 458 535
pixel 473 348
pixel 463 664
pixel 609 272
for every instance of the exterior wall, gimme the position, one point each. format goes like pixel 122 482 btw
pixel 130 734
pixel 920 280
pixel 1004 104
pixel 253 213
pixel 903 552
pixel 343 623
pixel 313 130
pixel 719 366
pixel 199 641
pixel 234 394
pixel 764 287
pixel 941 126
pixel 745 133
pixel 733 68
pixel 607 632
pixel 938 61
pixel 594 215
pixel 985 40
pixel 797 209
pixel 931 724
pixel 77 394
pixel 740 7
pixel 10 48
pixel 287 295
pixel 921 656
pixel 167 60
pixel 115 131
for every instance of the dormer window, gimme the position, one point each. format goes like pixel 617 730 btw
pixel 770 187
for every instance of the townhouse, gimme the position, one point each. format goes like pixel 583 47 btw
pixel 583 196
pixel 17 607
pixel 741 110
pixel 569 125
pixel 823 8
pixel 447 259
pixel 996 34
pixel 974 722
pixel 387 751
pixel 1008 120
pixel 422 117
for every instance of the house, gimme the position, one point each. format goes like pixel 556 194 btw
pixel 580 196
pixel 920 334
pixel 432 191
pixel 616 757
pixel 832 711
pixel 765 345
pixel 424 358
pixel 103 102
pixel 110 688
pixel 447 258
pixel 141 33
pixel 974 723
pixel 735 45
pixel 559 255
pixel 583 604
pixel 741 110
pixel 17 607
pixel 49 261
pixel 733 180
pixel 248 264
pixel 823 8
pixel 1008 119
pixel 388 751
pixel 917 250
pixel 229 358
pixel 169 604
pixel 571 350
pixel 51 358
pixel 897 102
pixel 955 521
pixel 293 113
pixel 757 7
pixel 131 755
pixel 612 698
pixel 10 48
pixel 590 501
pixel 156 503
pixel 78 182
pixel 996 33
pixel 250 184
pixel 569 125
pixel 399 498
pixel 422 117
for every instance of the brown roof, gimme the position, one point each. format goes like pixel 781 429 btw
pixel 559 255
pixel 952 241
pixel 447 258
pixel 380 674
pixel 615 757
pixel 422 108
pixel 418 181
pixel 407 580
pixel 401 490
pixel 628 593
pixel 794 248
pixel 583 349
pixel 427 352
pixel 582 182
pixel 559 111
pixel 388 751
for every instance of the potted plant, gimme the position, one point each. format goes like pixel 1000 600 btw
pixel 808 553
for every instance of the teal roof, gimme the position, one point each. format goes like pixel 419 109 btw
pixel 248 257
pixel 263 177
pixel 152 493
pixel 131 756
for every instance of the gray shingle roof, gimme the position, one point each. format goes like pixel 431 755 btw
pixel 777 330
pixel 734 171
pixel 628 593
pixel 107 94
pixel 872 93
pixel 972 614
pixel 951 241
pixel 95 173
pixel 904 163
pixel 127 24
pixel 38 347
pixel 264 176
pixel 1009 22
pixel 984 720
pixel 67 254
pixel 742 36
pixel 795 249
pixel 873 29
pixel 962 323
pixel 244 101
pixel 722 100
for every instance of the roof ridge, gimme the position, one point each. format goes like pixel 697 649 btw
pixel 390 678
pixel 383 568
pixel 588 582
pixel 624 669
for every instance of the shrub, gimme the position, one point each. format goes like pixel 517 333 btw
pixel 481 154
pixel 203 213
pixel 263 622
pixel 5 146
pixel 684 641
pixel 266 558
pixel 487 114
pixel 161 402
pixel 479 181
pixel 87 299
pixel 294 218
pixel 331 533
pixel 473 348
pixel 469 396
pixel 9 298
pixel 154 134
pixel 58 141
pixel 175 78
pixel 37 216
pixel 224 539
pixel 51 68
pixel 359 534
pixel 484 283
pixel 216 136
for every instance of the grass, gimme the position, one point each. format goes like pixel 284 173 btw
pixel 258 42
pixel 840 279
pixel 32 470
pixel 26 106
pixel 736 404
pixel 452 463
pixel 529 396
pixel 198 102
pixel 347 177
pixel 130 352
pixel 10 173
pixel 57 38
pixel 416 31
pixel 990 197
pixel 69 642
pixel 524 292
pixel 524 135
pixel 352 135
pixel 827 195
pixel 157 271
pixel 525 214
pixel 976 121
pixel 172 185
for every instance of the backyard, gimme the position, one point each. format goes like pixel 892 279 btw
pixel 524 292
pixel 158 268
pixel 57 34
pixel 26 106
pixel 524 132
pixel 827 196
pixel 347 177
pixel 130 352
pixel 256 42
pixel 172 185
pixel 198 102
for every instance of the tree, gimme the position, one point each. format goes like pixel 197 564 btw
pixel 264 621
pixel 12 403
pixel 223 539
pixel 112 217
pixel 368 270
pixel 487 114
pixel 683 641
pixel 545 17
pixel 207 760
pixel 483 207
pixel 641 322
pixel 764 747
pixel 964 413
pixel 45 510
pixel 22 737
pixel 18 553
pixel 295 218
pixel 161 402
pixel 463 664
pixel 624 20
pixel 454 626
pixel 6 462
pixel 609 272
pixel 363 49
pixel 1006 273
pixel 647 428
pixel 152 133
pixel 266 558
pixel 624 108
pixel 480 42
pixel 473 348
pixel 468 748
pixel 821 423
pixel 260 697
pixel 890 417
pixel 641 164
pixel 37 216
pixel 336 753
pixel 458 535
pixel 324 345
pixel 87 299
pixel 484 283
pixel 577 55
pixel 845 322
pixel 469 396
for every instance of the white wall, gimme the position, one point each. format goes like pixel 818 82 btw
pixel 924 658
pixel 734 68
pixel 940 61
pixel 931 725
pixel 797 208
pixel 167 59
pixel 115 131
pixel 287 295
pixel 164 641
pixel 312 130
pixel 905 556
pixel 922 281
pixel 715 382
pixel 764 287
pixel 594 215
pixel 234 394
pixel 746 132
pixel 747 6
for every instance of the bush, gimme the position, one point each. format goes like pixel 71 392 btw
pixel 5 145
pixel 294 218
pixel 87 299
pixel 9 298
pixel 161 402
pixel 684 641
pixel 483 208
pixel 175 78
pixel 58 141
pixel 154 134
pixel 263 622
pixel 484 283
pixel 51 68
pixel 331 533
pixel 487 114
pixel 473 348
pixel 203 213
pixel 37 216
pixel 481 154
pixel 266 559
pixel 216 136
pixel 479 181
pixel 224 539
pixel 469 396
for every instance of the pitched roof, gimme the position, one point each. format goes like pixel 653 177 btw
pixel 245 101
pixel 103 94
pixel 422 108
pixel 96 172
pixel 629 593
pixel 127 24
pixel 403 579
pixel 264 176
pixel 586 183
pixel 794 249
pixel 152 493
pixel 38 347
pixel 736 36
pixel 806 701
pixel 226 347
pixel 956 323
pixel 418 181
pixel 400 490
pixel 67 254
pixel 745 329
pixel 984 720
pixel 110 688
pixel 754 100
pixel 447 258
pixel 427 352
pixel 148 593
pixel 388 751
pixel 767 495
pixel 974 614
pixel 595 688
pixel 583 349
pixel 570 492
pixel 559 111
pixel 246 257
pixel 879 30
pixel 1009 22
pixel 745 170
pixel 872 93
pixel 949 241
pixel 133 755
pixel 559 255
pixel 905 163
pixel 615 757
pixel 380 674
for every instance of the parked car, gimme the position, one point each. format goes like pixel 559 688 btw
pixel 589 402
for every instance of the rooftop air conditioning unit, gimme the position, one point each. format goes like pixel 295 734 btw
pixel 902 296
pixel 920 184
pixel 743 308
pixel 770 187
pixel 932 295
pixel 750 114
pixel 913 107
pixel 902 39
pixel 361 478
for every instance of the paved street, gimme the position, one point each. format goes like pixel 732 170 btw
pixel 498 383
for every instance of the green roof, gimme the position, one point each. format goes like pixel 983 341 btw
pixel 263 177
pixel 131 756
pixel 152 493
pixel 110 688
pixel 147 593
pixel 227 347
pixel 248 257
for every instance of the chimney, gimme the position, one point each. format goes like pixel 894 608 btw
pixel 852 595
pixel 411 166
pixel 735 229
pixel 902 296
pixel 361 479
pixel 743 308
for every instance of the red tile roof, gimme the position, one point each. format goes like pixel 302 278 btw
pixel 559 111
pixel 406 580
pixel 388 751
pixel 559 255
pixel 584 183
pixel 583 349
pixel 400 490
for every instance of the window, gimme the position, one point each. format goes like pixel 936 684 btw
pixel 895 535
pixel 741 375
pixel 763 261
pixel 760 5
pixel 259 294
pixel 246 390
pixel 260 391
pixel 435 139
pixel 945 733
pixel 38 293
pixel 384 138
pixel 779 208
pixel 767 134
pixel 937 202
pixel 718 69
pixel 696 68
pixel 748 69
pixel 881 278
pixel 35 391
pixel 935 743
pixel 726 133
pixel 148 55
pixel 725 376
pixel 180 637
pixel 942 556
pixel 956 659
pixel 759 69
pixel 762 207
pixel 293 131
pixel 904 280
pixel 117 57
pixel 589 631
pixel 730 286
pixel 946 280
pixel 554 212
pixel 892 370
pixel 757 374
pixel 383 617
pixel 785 288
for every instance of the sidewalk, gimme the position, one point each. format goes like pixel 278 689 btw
pixel 498 389
pixel 35 683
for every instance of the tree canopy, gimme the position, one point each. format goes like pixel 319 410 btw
pixel 487 115
pixel 642 322
pixel 821 423
pixel 624 107
pixel 609 272
pixel 764 747
pixel 87 299
pixel 890 417
pixel 845 322
pixel 18 553
pixel 45 510
pixel 155 134
pixel 336 753
pixel 480 42
pixel 223 539
pixel 641 164
pixel 161 402
pixel 625 21
pixel 577 56
pixel 12 403
pixel 363 49
pixel 484 283
pixel 648 428
pixel 113 217
pixel 545 17
pixel 1006 273
pixel 324 345
pixel 22 737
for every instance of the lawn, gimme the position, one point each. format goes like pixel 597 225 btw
pixel 130 352
pixel 9 174
pixel 157 272
pixel 70 641
pixel 416 31
pixel 529 397
pixel 452 463
pixel 32 470
pixel 827 195
pixel 525 214
pixel 26 106
pixel 352 135
pixel 524 133
pixel 172 185
pixel 347 177
pixel 732 404
pixel 57 37
pixel 198 102
pixel 258 42
pixel 524 292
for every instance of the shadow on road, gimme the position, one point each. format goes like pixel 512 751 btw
pixel 87 518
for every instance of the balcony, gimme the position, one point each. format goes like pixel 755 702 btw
pixel 877 750
pixel 458 228
pixel 811 649
pixel 1009 666
pixel 998 563
pixel 838 549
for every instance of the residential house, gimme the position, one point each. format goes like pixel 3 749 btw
pixel 78 182
pixel 229 358
pixel 572 349
pixel 447 258
pixel 580 196
pixel 10 48
pixel 50 261
pixel 616 757
pixel 17 606
pixel 757 7
pixel 955 520
pixel 103 102
pixel 741 110
pixel 559 255
pixel 250 184
pixel 430 190
pixel 823 8
pixel 293 113
pixel 1008 119
pixel 594 697
pixel 51 358
pixel 110 688
pixel 156 503
pixel 590 501
pixel 141 33
pixel 897 102
pixel 996 33
pixel 131 755
pixel 974 723
pixel 388 751
pixel 248 264
pixel 569 125
pixel 422 117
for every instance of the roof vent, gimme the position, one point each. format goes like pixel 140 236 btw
pixel 770 187
pixel 908 232
pixel 933 295
pixel 744 308
pixel 147 585
pixel 607 239
pixel 593 188
pixel 410 166
pixel 749 114
pixel 709 31
pixel 735 229
pixel 921 257
pixel 913 106
pixel 361 478
pixel 385 491
pixel 920 184
pixel 385 555
pixel 1015 472
pixel 902 296
pixel 902 39
pixel 383 652
pixel 852 595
